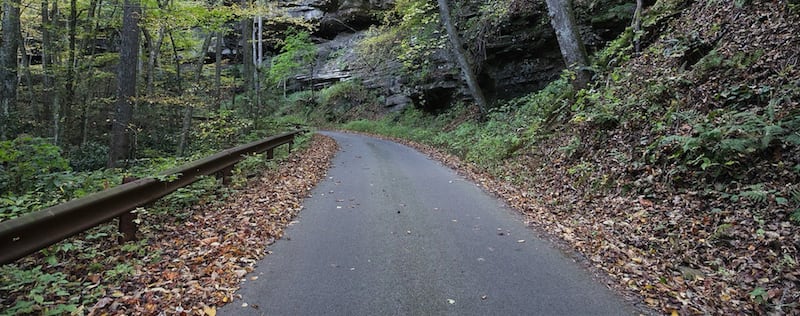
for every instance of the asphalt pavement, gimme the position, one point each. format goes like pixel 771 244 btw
pixel 392 232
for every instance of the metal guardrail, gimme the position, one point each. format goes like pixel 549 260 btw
pixel 31 232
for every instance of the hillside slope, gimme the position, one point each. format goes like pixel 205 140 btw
pixel 685 160
pixel 676 172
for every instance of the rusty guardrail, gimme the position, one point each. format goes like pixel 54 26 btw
pixel 31 232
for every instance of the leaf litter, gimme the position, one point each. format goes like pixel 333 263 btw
pixel 666 257
pixel 193 265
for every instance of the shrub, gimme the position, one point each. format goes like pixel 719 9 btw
pixel 25 159
pixel 90 156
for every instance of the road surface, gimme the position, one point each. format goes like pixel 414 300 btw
pixel 391 232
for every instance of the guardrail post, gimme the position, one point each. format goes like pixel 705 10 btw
pixel 225 175
pixel 270 154
pixel 127 227
pixel 291 142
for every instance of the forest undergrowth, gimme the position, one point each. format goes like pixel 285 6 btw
pixel 192 252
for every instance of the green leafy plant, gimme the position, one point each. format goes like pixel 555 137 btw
pixel 573 147
pixel 756 193
pixel 297 52
pixel 724 139
pixel 23 161
pixel 759 295
pixel 90 156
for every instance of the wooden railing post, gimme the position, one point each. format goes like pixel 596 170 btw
pixel 127 226
pixel 270 154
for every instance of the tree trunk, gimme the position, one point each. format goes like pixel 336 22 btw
pixel 178 76
pixel 248 67
pixel 258 52
pixel 153 51
pixel 637 26
pixel 186 125
pixel 198 70
pixel 218 73
pixel 47 81
pixel 51 101
pixel 461 56
pixel 26 65
pixel 562 19
pixel 126 84
pixel 69 85
pixel 9 67
pixel 185 129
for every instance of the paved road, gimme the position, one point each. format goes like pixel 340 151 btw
pixel 391 232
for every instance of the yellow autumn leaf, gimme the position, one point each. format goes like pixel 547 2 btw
pixel 210 311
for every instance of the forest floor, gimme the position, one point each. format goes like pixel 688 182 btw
pixel 180 266
pixel 205 258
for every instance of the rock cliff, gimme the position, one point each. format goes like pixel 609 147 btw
pixel 520 57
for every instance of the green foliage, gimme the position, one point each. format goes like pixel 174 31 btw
pixel 221 130
pixel 297 52
pixel 619 12
pixel 616 52
pixel 712 60
pixel 795 216
pixel 572 147
pixel 26 159
pixel 342 97
pixel 759 295
pixel 420 37
pixel 90 156
pixel 756 194
pixel 187 196
pixel 43 286
pixel 119 272
pixel 744 95
pixel 510 127
pixel 379 46
pixel 725 139
pixel 597 107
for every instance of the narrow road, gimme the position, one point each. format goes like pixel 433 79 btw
pixel 391 232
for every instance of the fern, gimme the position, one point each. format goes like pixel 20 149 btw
pixel 794 193
pixel 792 139
pixel 756 194
pixel 795 216
pixel 771 132
pixel 726 138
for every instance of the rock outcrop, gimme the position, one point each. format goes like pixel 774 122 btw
pixel 520 57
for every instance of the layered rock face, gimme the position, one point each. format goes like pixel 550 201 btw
pixel 521 56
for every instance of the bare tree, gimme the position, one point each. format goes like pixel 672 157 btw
pixel 461 56
pixel 218 71
pixel 562 18
pixel 8 65
pixel 51 102
pixel 126 83
pixel 248 66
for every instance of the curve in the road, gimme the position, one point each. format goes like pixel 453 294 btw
pixel 391 232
